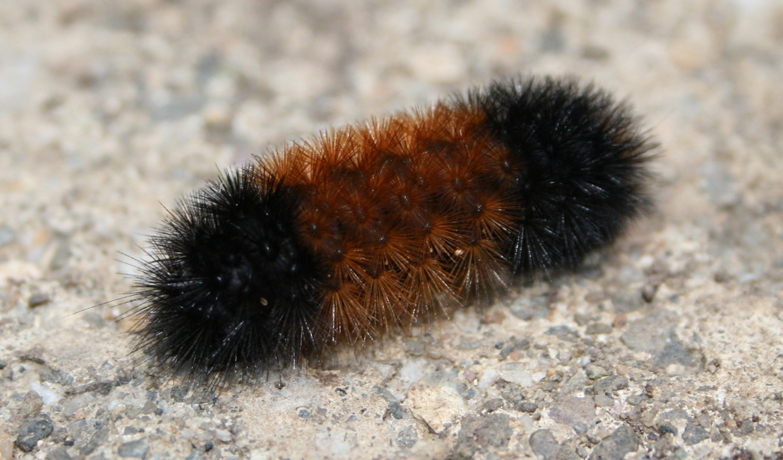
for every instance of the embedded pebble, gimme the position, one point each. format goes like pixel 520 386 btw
pixel 134 449
pixel 436 404
pixel 96 440
pixel 526 406
pixel 598 328
pixel 694 434
pixel 527 308
pixel 396 410
pixel 407 437
pixel 595 372
pixel 32 431
pixel 572 410
pixel 38 299
pixel 76 403
pixel 515 373
pixel 223 435
pixel 31 405
pixel 481 432
pixel 7 235
pixel 58 453
pixel 543 443
pixel 48 395
pixel 493 404
pixel 563 333
pixel 616 445
pixel 488 377
pixel 576 383
pixel 611 383
pixel 55 376
pixel 648 292
pixel 635 400
pixel 603 400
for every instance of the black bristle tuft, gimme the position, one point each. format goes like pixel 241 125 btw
pixel 582 168
pixel 230 289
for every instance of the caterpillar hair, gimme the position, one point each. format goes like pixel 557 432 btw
pixel 373 227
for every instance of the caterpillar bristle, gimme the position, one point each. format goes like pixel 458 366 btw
pixel 371 228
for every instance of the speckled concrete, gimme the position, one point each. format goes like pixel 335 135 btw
pixel 668 345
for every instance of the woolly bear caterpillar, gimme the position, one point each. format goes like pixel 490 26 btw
pixel 374 226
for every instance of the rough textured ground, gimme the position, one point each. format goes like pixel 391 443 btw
pixel 666 346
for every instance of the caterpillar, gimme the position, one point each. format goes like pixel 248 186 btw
pixel 373 227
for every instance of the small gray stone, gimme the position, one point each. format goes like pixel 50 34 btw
pixel 134 449
pixel 526 406
pixel 58 453
pixel 572 410
pixel 178 393
pixel 694 434
pixel 102 388
pixel 34 355
pixel 520 344
pixel 493 404
pixel 31 405
pixel 133 411
pixel 563 333
pixel 407 437
pixel 604 400
pixel 466 343
pixel 396 411
pixel 626 303
pixel 648 292
pixel 32 431
pixel 491 430
pixel 385 394
pixel 565 452
pixel 720 184
pixel 478 433
pixel 576 383
pixel 543 443
pixel 579 428
pixel 616 445
pixel 527 308
pixel 195 454
pixel 225 436
pixel 506 351
pixel 7 235
pixel 38 299
pixel 96 440
pixel 655 334
pixel 581 319
pixel 61 254
pixel 76 403
pixel 55 376
pixel 635 400
pixel 650 333
pixel 610 384
pixel 598 328
pixel 595 372
pixel 675 352
pixel 747 427
pixel 3 363
pixel 149 407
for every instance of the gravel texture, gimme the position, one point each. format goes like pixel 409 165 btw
pixel 667 345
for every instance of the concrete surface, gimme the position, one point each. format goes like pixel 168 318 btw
pixel 668 345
